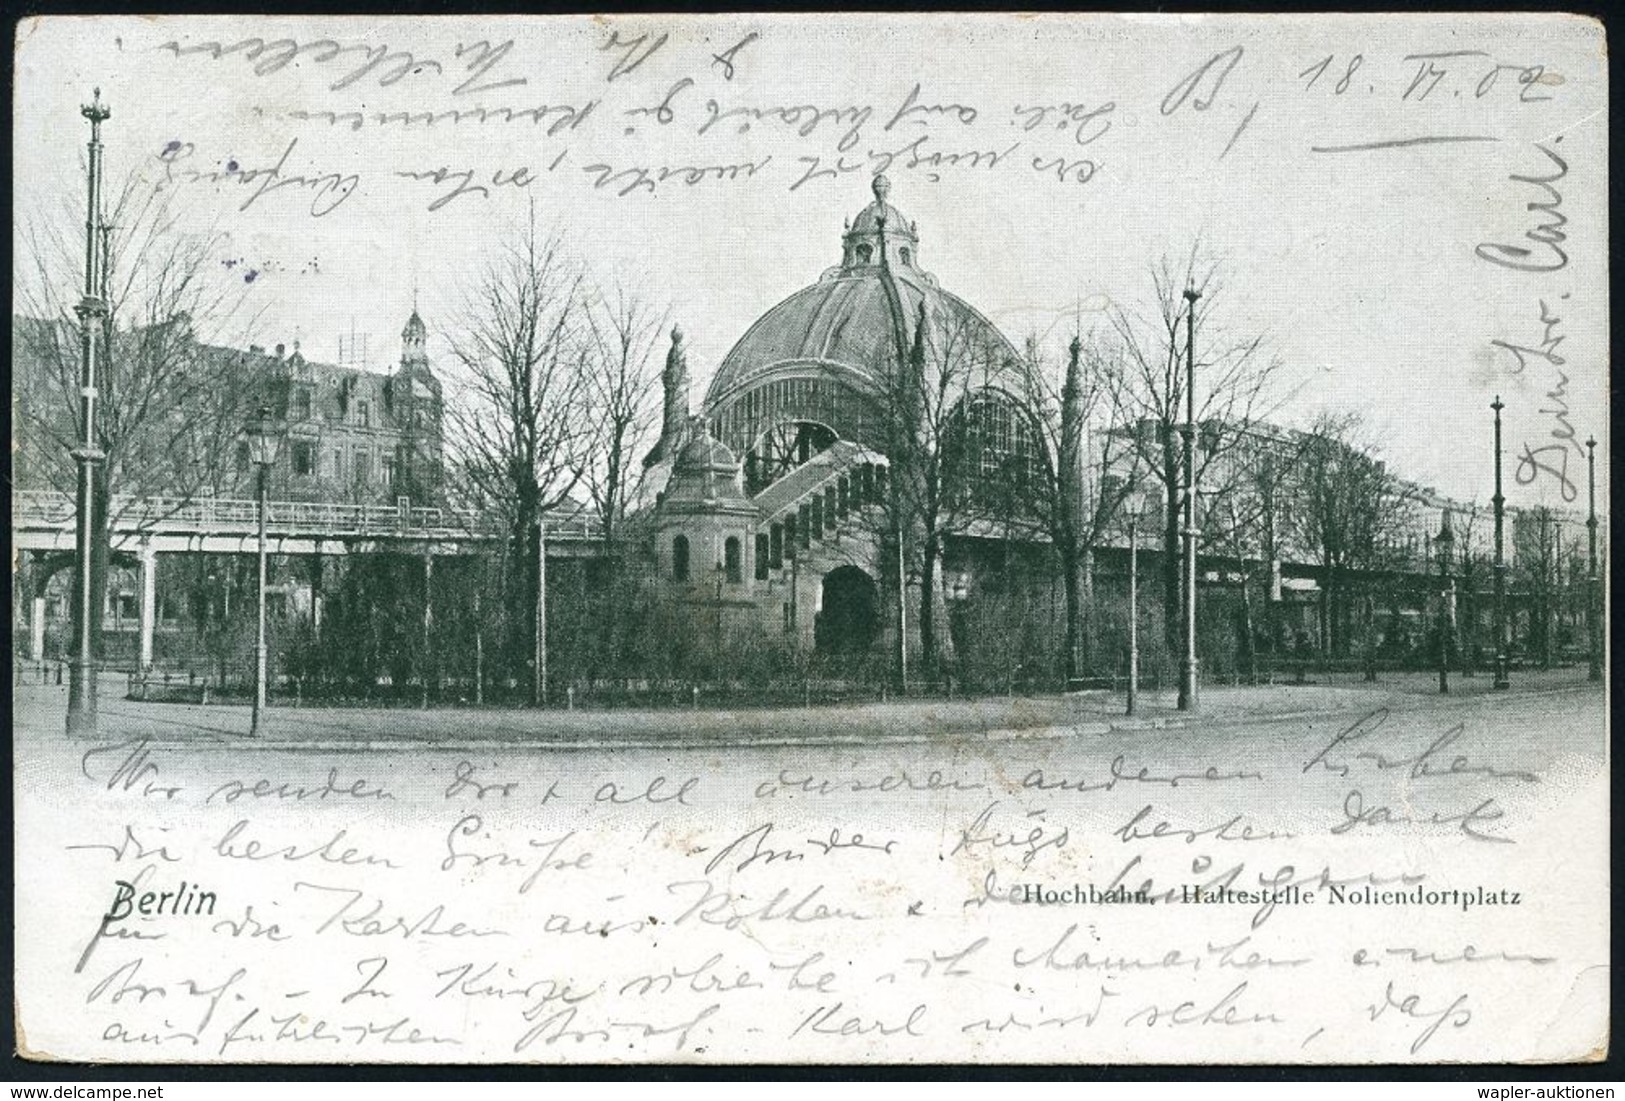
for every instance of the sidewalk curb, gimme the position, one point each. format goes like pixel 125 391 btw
pixel 1093 726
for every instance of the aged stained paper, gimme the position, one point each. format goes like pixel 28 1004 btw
pixel 837 392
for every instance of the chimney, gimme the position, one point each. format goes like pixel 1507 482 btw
pixel 280 348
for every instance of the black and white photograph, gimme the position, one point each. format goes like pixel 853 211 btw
pixel 811 539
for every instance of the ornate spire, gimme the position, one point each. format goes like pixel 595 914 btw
pixel 414 341
pixel 674 421
pixel 674 383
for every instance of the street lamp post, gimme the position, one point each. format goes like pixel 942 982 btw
pixel 538 684
pixel 1445 541
pixel 902 616
pixel 264 441
pixel 1593 582
pixel 91 309
pixel 1188 673
pixel 1557 603
pixel 958 594
pixel 1134 611
pixel 1547 559
pixel 717 651
pixel 1501 681
pixel 1368 608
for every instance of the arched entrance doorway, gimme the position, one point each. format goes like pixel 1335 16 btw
pixel 849 620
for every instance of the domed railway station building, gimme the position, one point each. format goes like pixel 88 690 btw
pixel 772 512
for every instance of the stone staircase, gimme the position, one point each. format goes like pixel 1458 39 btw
pixel 838 490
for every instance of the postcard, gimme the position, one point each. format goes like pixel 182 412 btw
pixel 811 539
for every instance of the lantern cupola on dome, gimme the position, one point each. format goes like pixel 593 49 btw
pixel 880 233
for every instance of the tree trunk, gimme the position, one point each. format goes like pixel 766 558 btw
pixel 1469 610
pixel 1328 584
pixel 1086 628
pixel 928 619
pixel 1249 653
pixel 609 653
pixel 522 626
pixel 1074 625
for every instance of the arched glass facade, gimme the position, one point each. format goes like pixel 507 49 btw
pixel 994 457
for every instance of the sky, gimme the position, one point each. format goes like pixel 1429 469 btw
pixel 1410 210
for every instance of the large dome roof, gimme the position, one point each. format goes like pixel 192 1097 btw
pixel 848 319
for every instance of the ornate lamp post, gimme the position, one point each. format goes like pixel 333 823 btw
pixel 92 308
pixel 1593 582
pixel 1445 542
pixel 1500 592
pixel 1188 672
pixel 264 443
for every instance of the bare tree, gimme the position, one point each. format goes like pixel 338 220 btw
pixel 1349 505
pixel 941 479
pixel 619 407
pixel 1073 498
pixel 1471 567
pixel 1251 523
pixel 1234 379
pixel 171 404
pixel 516 420
pixel 622 329
pixel 1538 552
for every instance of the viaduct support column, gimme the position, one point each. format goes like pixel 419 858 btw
pixel 36 629
pixel 318 598
pixel 149 601
pixel 38 578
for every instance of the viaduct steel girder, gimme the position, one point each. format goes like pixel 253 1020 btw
pixel 43 522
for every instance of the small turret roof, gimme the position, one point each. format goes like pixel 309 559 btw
pixel 705 473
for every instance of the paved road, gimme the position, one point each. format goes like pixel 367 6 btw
pixel 40 711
